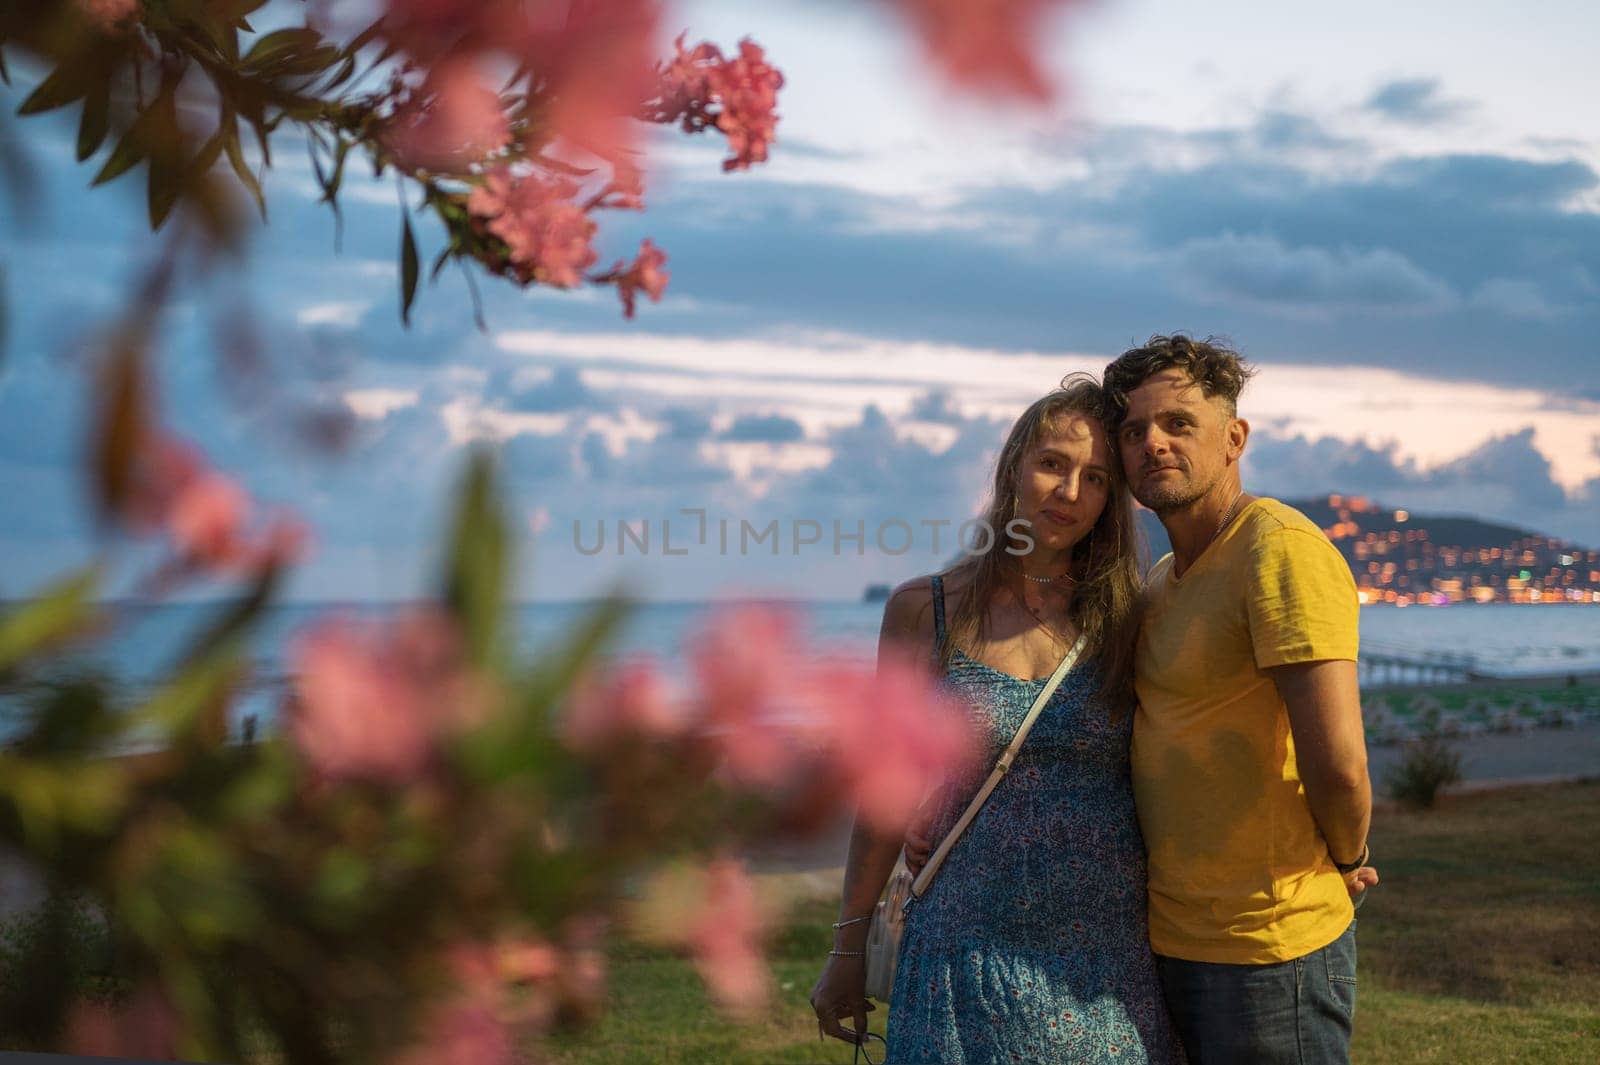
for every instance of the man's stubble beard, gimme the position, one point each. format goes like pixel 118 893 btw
pixel 1164 500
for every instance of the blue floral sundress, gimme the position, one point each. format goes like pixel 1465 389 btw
pixel 1031 944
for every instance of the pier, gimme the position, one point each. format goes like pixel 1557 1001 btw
pixel 1396 665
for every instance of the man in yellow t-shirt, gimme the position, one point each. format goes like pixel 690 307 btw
pixel 1249 761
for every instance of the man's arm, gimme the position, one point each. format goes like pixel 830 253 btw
pixel 1330 746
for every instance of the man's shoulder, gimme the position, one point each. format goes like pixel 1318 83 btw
pixel 1271 520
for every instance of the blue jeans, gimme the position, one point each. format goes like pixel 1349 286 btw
pixel 1296 1012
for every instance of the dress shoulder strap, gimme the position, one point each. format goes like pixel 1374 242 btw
pixel 938 617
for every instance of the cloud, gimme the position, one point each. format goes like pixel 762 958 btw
pixel 1309 280
pixel 1514 297
pixel 1415 101
pixel 563 389
pixel 934 406
pixel 764 428
pixel 1505 478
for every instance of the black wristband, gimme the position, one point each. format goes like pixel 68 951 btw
pixel 1347 869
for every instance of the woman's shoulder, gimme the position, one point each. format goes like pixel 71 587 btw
pixel 909 609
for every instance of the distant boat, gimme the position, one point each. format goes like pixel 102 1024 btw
pixel 876 593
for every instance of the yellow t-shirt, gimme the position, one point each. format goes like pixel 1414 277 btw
pixel 1239 872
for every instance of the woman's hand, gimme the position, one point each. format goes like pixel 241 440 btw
pixel 841 992
pixel 919 842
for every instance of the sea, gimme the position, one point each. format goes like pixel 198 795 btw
pixel 148 640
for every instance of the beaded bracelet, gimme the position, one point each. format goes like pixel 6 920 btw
pixel 853 920
pixel 847 953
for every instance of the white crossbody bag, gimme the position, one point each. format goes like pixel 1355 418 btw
pixel 888 926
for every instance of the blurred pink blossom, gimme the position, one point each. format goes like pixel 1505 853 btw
pixel 592 59
pixel 746 667
pixel 204 514
pixel 453 121
pixel 987 45
pixel 633 701
pixel 109 14
pixel 895 735
pixel 462 1031
pixel 548 236
pixel 372 702
pixel 145 1025
pixel 643 275
pixel 725 937
pixel 598 62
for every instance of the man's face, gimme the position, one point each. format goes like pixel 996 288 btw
pixel 1174 441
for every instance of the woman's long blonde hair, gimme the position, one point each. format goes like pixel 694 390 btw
pixel 1104 566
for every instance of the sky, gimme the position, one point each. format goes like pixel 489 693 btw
pixel 1395 214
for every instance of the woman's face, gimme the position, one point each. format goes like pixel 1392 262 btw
pixel 1064 481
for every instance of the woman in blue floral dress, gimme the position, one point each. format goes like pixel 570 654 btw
pixel 1030 944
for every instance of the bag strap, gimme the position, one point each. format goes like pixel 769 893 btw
pixel 938 618
pixel 1001 766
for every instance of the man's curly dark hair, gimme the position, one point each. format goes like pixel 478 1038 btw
pixel 1216 368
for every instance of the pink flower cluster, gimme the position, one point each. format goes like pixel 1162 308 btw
pixel 987 45
pixel 372 702
pixel 592 60
pixel 506 991
pixel 452 121
pixel 548 236
pixel 204 514
pixel 781 721
pixel 144 1025
pixel 725 936
pixel 702 89
pixel 644 275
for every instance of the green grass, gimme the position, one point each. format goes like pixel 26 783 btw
pixel 1482 945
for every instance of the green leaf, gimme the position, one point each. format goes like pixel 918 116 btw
pixel 476 561
pixel 180 707
pixel 65 84
pixel 121 420
pixel 208 154
pixel 60 610
pixel 280 45
pixel 365 37
pixel 233 623
pixel 230 145
pixel 129 151
pixel 96 120
pixel 408 266
pixel 520 742
pixel 438 264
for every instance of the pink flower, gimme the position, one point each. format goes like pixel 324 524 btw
pixel 207 519
pixel 372 703
pixel 461 1032
pixel 146 1025
pixel 987 45
pixel 598 63
pixel 747 88
pixel 547 235
pixel 110 14
pixel 645 275
pixel 894 735
pixel 725 937
pixel 453 121
pixel 701 89
pixel 204 514
pixel 746 665
pixel 685 81
pixel 632 702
